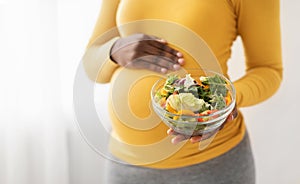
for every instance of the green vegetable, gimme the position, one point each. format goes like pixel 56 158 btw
pixel 218 102
pixel 216 79
pixel 171 79
pixel 217 85
pixel 185 93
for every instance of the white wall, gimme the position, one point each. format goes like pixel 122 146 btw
pixel 273 125
pixel 75 24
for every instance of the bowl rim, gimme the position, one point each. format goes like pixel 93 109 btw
pixel 198 122
pixel 222 111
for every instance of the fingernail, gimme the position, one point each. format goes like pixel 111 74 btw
pixel 194 139
pixel 181 61
pixel 176 67
pixel 174 141
pixel 162 40
pixel 231 117
pixel 179 54
pixel 163 70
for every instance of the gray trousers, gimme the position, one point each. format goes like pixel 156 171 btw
pixel 233 167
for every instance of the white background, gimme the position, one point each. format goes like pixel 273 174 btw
pixel 39 142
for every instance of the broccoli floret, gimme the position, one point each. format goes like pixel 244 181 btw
pixel 171 79
pixel 169 88
pixel 218 89
pixel 203 93
pixel 218 102
pixel 216 79
pixel 216 84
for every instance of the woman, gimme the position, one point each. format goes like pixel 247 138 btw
pixel 142 41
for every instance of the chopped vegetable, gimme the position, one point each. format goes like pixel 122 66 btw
pixel 186 96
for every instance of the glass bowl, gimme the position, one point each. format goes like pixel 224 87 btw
pixel 195 124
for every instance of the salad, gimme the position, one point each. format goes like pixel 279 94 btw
pixel 193 97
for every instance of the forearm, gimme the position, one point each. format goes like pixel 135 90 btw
pixel 96 61
pixel 259 28
pixel 257 85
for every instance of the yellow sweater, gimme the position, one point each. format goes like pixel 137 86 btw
pixel 138 135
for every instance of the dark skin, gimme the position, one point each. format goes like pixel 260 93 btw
pixel 140 51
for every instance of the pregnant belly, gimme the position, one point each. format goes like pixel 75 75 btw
pixel 133 119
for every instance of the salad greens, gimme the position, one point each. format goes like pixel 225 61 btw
pixel 188 96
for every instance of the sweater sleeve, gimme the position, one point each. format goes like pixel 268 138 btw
pixel 96 61
pixel 259 28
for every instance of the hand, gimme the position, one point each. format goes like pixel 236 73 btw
pixel 140 51
pixel 179 137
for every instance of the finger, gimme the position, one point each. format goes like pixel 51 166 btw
pixel 161 40
pixel 232 115
pixel 164 47
pixel 159 61
pixel 144 64
pixel 155 38
pixel 162 62
pixel 181 61
pixel 178 138
pixel 152 37
pixel 205 136
pixel 209 134
pixel 170 131
pixel 195 139
pixel 228 119
pixel 235 112
pixel 159 52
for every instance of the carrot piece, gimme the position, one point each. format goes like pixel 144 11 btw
pixel 186 112
pixel 170 109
